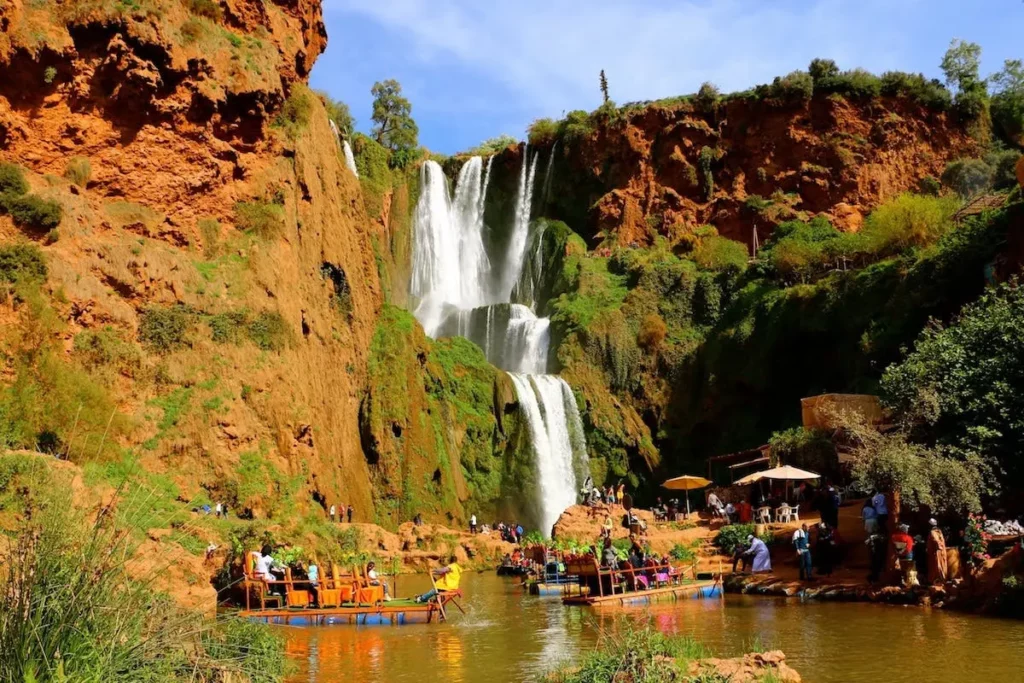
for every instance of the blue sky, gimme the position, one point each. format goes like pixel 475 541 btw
pixel 474 69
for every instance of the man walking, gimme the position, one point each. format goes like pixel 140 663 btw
pixel 472 524
pixel 349 514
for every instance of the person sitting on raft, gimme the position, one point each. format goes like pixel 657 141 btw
pixel 374 579
pixel 450 576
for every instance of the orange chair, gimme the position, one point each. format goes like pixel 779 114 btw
pixel 259 583
pixel 297 597
pixel 330 593
pixel 344 584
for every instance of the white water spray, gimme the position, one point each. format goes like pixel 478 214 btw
pixel 460 293
pixel 350 160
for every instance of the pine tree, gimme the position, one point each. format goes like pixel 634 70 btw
pixel 604 86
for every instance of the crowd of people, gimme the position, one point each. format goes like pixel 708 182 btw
pixel 607 495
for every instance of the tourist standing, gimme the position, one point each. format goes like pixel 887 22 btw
pixel 519 533
pixel 802 544
pixel 621 493
pixel 606 531
pixel 218 510
pixel 745 512
pixel 870 518
pixel 608 556
pixel 936 554
pixel 830 507
pixel 333 513
pixel 472 524
pixel 903 545
pixel 313 576
pixel 349 514
pixel 881 511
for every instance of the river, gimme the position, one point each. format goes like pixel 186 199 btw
pixel 507 637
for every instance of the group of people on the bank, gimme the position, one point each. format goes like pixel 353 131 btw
pixel 340 513
pixel 607 495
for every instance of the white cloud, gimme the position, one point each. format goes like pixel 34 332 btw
pixel 548 52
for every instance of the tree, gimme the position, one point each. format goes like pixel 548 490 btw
pixel 1008 102
pixel 960 64
pixel 604 87
pixel 967 177
pixel 707 97
pixel 820 69
pixel 392 116
pixel 958 389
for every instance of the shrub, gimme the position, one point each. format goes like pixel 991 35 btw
pixel 106 348
pixel 78 171
pixel 164 329
pixel 192 30
pixel 793 87
pixel 576 126
pixel 706 158
pixel 269 331
pixel 637 656
pixel 22 263
pixel 49 74
pixel 856 83
pixel 967 177
pixel 683 553
pixel 820 69
pixel 206 8
pixel 732 535
pixel 262 218
pixel 493 146
pixel 296 111
pixel 707 97
pixel 542 132
pixel 652 332
pixel 929 185
pixel 718 253
pixel 12 180
pixel 1003 164
pixel 909 220
pixel 929 93
pixel 338 112
pixel 228 327
pixel 32 211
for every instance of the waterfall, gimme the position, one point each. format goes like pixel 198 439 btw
pixel 453 283
pixel 544 400
pixel 521 225
pixel 350 160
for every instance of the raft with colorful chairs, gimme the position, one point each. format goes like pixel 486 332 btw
pixel 344 597
pixel 634 586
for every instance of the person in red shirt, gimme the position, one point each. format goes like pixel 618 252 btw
pixel 903 544
pixel 744 512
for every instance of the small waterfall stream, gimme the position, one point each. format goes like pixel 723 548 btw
pixel 462 290
pixel 350 160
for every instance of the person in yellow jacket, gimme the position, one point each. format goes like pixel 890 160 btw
pixel 449 577
pixel 621 493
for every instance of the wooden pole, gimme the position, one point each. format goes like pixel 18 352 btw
pixel 437 596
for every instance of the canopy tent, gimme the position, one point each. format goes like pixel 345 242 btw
pixel 787 472
pixel 687 483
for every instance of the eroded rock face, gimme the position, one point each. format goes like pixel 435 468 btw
pixel 748 166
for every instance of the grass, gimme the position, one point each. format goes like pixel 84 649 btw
pixel 124 214
pixel 78 171
pixel 638 655
pixel 70 610
pixel 164 329
pixel 260 217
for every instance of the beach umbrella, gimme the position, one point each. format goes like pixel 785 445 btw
pixel 687 483
pixel 788 472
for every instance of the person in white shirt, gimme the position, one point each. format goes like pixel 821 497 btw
pixel 715 503
pixel 334 511
pixel 264 568
pixel 730 510
pixel 472 524
pixel 218 510
pixel 374 579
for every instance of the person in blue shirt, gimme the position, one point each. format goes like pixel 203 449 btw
pixel 881 511
pixel 870 517
pixel 801 542
pixel 313 575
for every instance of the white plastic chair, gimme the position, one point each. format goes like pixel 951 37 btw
pixel 764 515
pixel 795 513
pixel 783 514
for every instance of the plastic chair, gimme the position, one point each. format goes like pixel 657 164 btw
pixel 763 515
pixel 783 514
pixel 795 513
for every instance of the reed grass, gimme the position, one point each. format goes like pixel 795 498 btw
pixel 72 611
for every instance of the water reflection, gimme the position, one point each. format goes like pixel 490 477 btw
pixel 506 636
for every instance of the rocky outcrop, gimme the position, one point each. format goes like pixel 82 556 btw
pixel 663 170
pixel 750 668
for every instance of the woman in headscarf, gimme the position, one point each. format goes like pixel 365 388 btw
pixel 936 553
pixel 757 550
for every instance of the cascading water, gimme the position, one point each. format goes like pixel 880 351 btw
pixel 350 160
pixel 459 292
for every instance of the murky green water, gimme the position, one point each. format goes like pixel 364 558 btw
pixel 510 637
